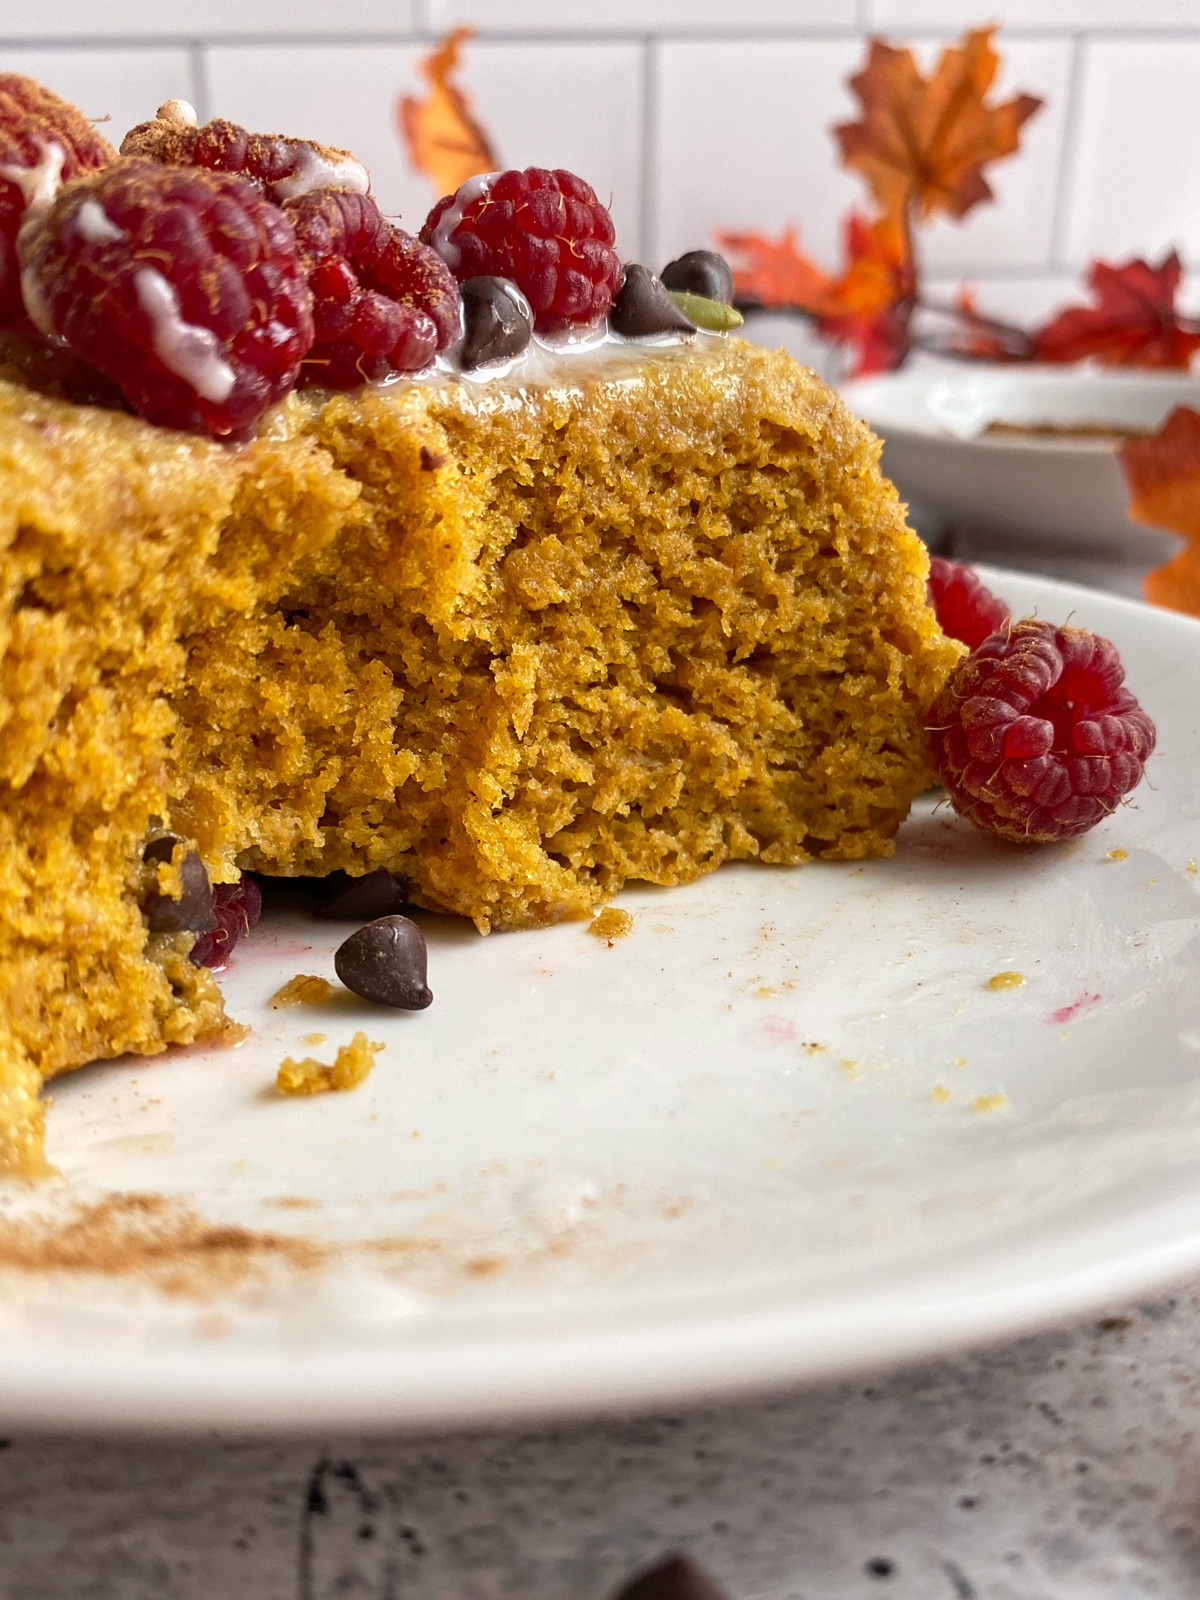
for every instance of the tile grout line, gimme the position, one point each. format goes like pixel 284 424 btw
pixel 712 36
pixel 1068 161
pixel 708 34
pixel 201 87
pixel 647 214
pixel 705 35
pixel 997 272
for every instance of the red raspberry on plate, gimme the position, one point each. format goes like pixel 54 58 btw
pixel 965 610
pixel 544 231
pixel 183 286
pixel 282 168
pixel 44 141
pixel 382 302
pixel 1034 735
pixel 237 908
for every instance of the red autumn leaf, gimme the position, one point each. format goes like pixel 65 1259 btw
pixel 1133 323
pixel 443 138
pixel 861 308
pixel 878 271
pixel 1163 475
pixel 868 307
pixel 880 343
pixel 775 272
pixel 924 142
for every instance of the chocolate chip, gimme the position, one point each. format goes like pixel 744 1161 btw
pixel 193 911
pixel 643 307
pixel 376 894
pixel 498 318
pixel 677 1578
pixel 430 461
pixel 385 961
pixel 701 272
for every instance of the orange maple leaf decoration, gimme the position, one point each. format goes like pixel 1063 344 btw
pixel 1134 322
pixel 878 269
pixel 775 272
pixel 923 143
pixel 1163 475
pixel 869 303
pixel 443 138
pixel 858 308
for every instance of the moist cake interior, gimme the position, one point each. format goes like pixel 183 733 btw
pixel 519 640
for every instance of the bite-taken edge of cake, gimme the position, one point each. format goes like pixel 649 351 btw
pixel 611 614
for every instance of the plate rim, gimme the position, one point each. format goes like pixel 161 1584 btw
pixel 667 1357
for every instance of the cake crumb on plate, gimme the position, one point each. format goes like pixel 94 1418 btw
pixel 611 924
pixel 1005 980
pixel 983 1103
pixel 303 989
pixel 350 1066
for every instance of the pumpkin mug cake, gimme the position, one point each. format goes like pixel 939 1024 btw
pixel 480 557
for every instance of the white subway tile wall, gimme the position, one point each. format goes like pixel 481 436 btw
pixel 214 19
pixel 111 86
pixel 346 95
pixel 692 115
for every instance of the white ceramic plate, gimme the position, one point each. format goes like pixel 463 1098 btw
pixel 1059 490
pixel 756 1141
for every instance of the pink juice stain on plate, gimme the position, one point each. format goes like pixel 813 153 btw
pixel 1071 1010
pixel 777 1030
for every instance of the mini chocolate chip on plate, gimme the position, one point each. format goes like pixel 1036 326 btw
pixel 385 961
pixel 498 320
pixel 643 307
pixel 376 894
pixel 192 912
pixel 701 272
pixel 677 1578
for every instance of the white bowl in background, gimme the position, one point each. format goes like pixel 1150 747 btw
pixel 1051 489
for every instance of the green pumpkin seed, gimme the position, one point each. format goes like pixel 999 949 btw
pixel 711 315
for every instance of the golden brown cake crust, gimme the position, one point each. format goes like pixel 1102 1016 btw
pixel 104 530
pixel 519 644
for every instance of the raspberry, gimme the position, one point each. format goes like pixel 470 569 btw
pixel 43 142
pixel 382 302
pixel 282 168
pixel 1034 736
pixel 183 286
pixel 544 231
pixel 237 908
pixel 965 610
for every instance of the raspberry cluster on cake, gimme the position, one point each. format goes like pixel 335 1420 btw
pixel 472 557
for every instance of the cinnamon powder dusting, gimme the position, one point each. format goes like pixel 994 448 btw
pixel 155 1240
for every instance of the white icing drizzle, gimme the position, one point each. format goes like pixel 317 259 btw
pixel 465 195
pixel 316 171
pixel 40 183
pixel 35 303
pixel 177 111
pixel 192 353
pixel 95 225
pixel 577 357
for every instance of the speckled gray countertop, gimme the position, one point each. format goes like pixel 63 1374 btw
pixel 1060 1467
